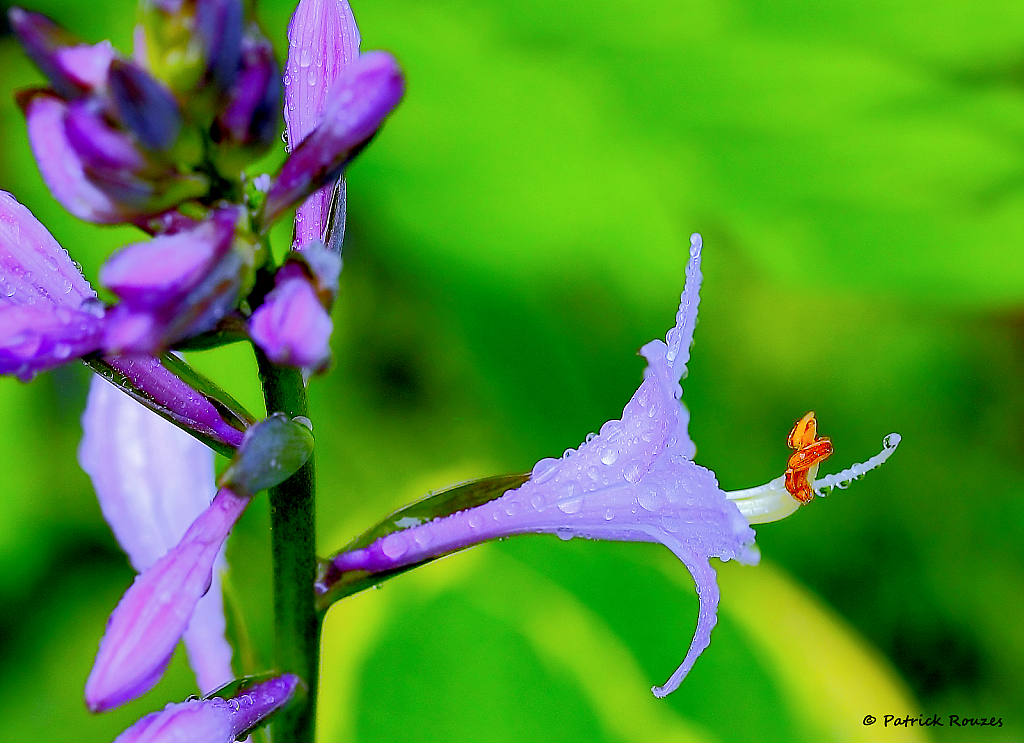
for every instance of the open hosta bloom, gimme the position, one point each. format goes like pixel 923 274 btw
pixel 634 481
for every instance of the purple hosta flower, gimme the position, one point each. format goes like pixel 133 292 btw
pixel 214 720
pixel 153 480
pixel 48 312
pixel 634 481
pixel 175 286
pixel 356 106
pixel 158 607
pixel 155 612
pixel 293 326
pixel 323 40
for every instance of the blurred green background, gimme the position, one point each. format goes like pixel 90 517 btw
pixel 516 232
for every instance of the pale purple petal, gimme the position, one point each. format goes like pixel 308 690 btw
pixel 33 266
pixel 46 317
pixel 166 268
pixel 196 721
pixel 173 286
pixel 151 478
pixel 634 481
pixel 209 652
pixel 322 40
pixel 292 326
pixel 155 611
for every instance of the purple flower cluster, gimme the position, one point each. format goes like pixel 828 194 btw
pixel 162 140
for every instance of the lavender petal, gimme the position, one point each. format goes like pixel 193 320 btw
pixel 196 720
pixel 323 40
pixel 33 266
pixel 153 480
pixel 214 720
pixel 155 611
pixel 34 338
pixel 60 165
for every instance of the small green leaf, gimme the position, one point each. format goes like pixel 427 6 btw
pixel 272 451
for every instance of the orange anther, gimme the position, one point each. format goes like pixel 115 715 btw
pixel 810 450
pixel 804 432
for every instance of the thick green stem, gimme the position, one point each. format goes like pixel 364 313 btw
pixel 293 540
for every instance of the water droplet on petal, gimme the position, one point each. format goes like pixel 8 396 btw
pixel 394 545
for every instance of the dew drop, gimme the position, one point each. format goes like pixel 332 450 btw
pixel 570 506
pixel 475 520
pixel 537 501
pixel 610 455
pixel 394 546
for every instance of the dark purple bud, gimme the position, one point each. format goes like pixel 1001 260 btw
pixel 96 142
pixel 291 326
pixel 252 113
pixel 173 286
pixel 72 67
pixel 218 422
pixel 155 611
pixel 356 107
pixel 219 29
pixel 144 106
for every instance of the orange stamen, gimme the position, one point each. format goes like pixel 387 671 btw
pixel 810 450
